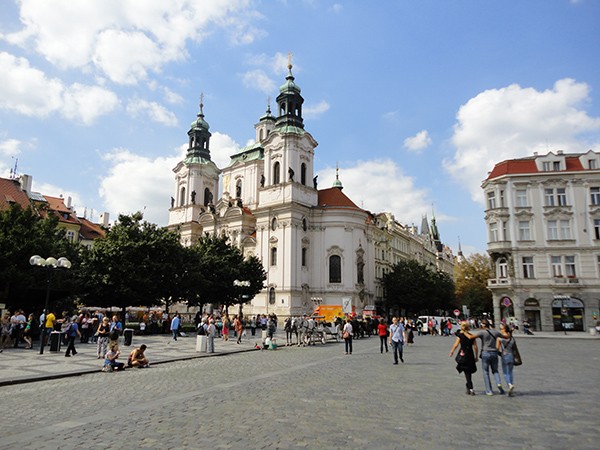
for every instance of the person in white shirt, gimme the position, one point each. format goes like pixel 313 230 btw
pixel 397 336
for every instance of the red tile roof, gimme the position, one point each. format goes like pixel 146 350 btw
pixel 335 198
pixel 528 166
pixel 90 230
pixel 10 192
pixel 57 205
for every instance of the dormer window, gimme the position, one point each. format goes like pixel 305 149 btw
pixel 592 164
pixel 551 166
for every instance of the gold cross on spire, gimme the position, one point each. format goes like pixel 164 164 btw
pixel 290 60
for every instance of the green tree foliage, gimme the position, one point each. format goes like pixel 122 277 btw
pixel 24 233
pixel 471 277
pixel 215 266
pixel 414 288
pixel 136 263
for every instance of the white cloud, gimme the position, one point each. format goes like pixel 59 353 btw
pixel 222 147
pixel 418 142
pixel 381 186
pixel 125 39
pixel 514 122
pixel 85 103
pixel 258 79
pixel 69 197
pixel 172 97
pixel 153 111
pixel 314 111
pixel 10 147
pixel 277 64
pixel 26 90
pixel 138 183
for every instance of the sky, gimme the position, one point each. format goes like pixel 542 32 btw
pixel 413 100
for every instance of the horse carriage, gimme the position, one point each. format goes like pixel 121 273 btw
pixel 309 331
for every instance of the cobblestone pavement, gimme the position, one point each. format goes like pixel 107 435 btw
pixel 315 397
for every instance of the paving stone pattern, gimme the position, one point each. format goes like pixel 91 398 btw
pixel 316 397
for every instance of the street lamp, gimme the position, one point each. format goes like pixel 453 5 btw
pixel 51 263
pixel 241 284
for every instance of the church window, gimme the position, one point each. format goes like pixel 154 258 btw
pixel 273 256
pixel 304 224
pixel 335 269
pixel 276 174
pixel 304 254
pixel 261 134
pixel 274 223
pixel 272 296
pixel 238 189
pixel 303 174
pixel 182 197
pixel 207 197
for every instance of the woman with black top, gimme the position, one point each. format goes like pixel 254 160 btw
pixel 466 360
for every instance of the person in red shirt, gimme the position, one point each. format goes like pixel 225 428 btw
pixel 382 331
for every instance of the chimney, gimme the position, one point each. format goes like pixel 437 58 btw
pixel 25 181
pixel 104 219
pixel 69 203
pixel 559 152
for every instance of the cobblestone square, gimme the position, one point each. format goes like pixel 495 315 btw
pixel 316 397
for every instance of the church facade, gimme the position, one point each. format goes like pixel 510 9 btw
pixel 317 246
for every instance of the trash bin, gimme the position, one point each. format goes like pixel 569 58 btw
pixel 127 336
pixel 201 343
pixel 55 341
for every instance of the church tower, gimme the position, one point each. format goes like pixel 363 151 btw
pixel 196 182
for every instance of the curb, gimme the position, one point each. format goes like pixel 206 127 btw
pixel 78 373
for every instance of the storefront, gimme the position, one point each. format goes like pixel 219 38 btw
pixel 568 313
pixel 532 314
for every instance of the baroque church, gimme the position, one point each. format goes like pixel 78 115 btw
pixel 316 245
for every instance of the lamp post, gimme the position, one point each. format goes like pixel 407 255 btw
pixel 241 284
pixel 51 263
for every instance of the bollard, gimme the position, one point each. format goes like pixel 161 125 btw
pixel 127 336
pixel 201 343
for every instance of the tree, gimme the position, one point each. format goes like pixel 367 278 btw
pixel 471 277
pixel 217 264
pixel 413 287
pixel 24 233
pixel 136 263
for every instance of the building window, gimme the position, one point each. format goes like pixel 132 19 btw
pixel 303 174
pixel 556 265
pixel 556 165
pixel 570 266
pixel 552 230
pixel 182 197
pixel 528 267
pixel 276 173
pixel 505 234
pixel 595 196
pixel 597 228
pixel 502 199
pixel 274 223
pixel 555 197
pixel 521 197
pixel 565 229
pixel 502 268
pixel 304 252
pixel 70 236
pixel 335 269
pixel 524 231
pixel 207 197
pixel 273 256
pixel 592 164
pixel 272 296
pixel 491 200
pixel 546 166
pixel 238 189
pixel 304 224
pixel 561 197
pixel 493 232
pixel 598 264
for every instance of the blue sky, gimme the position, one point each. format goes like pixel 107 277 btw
pixel 414 100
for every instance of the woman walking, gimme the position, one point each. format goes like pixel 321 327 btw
pixel 103 333
pixel 347 335
pixel 28 331
pixel 382 330
pixel 466 360
pixel 505 345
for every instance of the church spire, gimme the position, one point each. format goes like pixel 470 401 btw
pixel 337 183
pixel 199 136
pixel 290 101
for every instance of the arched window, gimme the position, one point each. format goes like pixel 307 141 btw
pixel 182 197
pixel 276 174
pixel 273 256
pixel 274 223
pixel 272 296
pixel 303 174
pixel 502 268
pixel 261 134
pixel 335 269
pixel 238 189
pixel 304 254
pixel 207 197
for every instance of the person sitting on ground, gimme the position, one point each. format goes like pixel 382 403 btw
pixel 137 358
pixel 110 360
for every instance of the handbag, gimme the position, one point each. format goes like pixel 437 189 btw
pixel 345 335
pixel 461 357
pixel 517 361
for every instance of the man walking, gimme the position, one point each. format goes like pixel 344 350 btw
pixel 397 335
pixel 489 355
pixel 72 332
